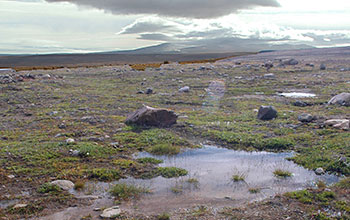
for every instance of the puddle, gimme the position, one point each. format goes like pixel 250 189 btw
pixel 297 95
pixel 213 168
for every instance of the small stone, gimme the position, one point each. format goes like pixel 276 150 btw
pixel 62 126
pixel 149 91
pixel 267 113
pixel 185 89
pixel 53 113
pixel 70 141
pixel 111 212
pixel 269 76
pixel 140 92
pixel 97 209
pixel 319 171
pixel 74 153
pixel 299 103
pixel 20 206
pixel 305 117
pixel 11 176
pixel 63 184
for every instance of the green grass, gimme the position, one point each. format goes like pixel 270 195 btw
pixel 254 190
pixel 164 149
pixel 149 160
pixel 104 174
pixel 123 191
pixel 49 188
pixel 171 172
pixel 282 173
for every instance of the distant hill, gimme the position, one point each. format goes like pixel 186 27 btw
pixel 211 46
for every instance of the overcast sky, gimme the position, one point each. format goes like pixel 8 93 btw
pixel 54 26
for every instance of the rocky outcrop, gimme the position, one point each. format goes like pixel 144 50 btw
pixel 148 116
pixel 341 99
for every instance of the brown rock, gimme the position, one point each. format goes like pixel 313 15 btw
pixel 148 116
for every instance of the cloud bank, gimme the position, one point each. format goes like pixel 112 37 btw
pixel 174 8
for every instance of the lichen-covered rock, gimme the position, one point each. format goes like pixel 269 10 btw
pixel 148 116
pixel 341 99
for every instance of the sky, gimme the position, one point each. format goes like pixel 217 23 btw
pixel 83 26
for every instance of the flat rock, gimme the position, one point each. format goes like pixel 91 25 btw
pixel 148 116
pixel 18 206
pixel 341 99
pixel 111 212
pixel 63 184
pixel 343 124
pixel 267 113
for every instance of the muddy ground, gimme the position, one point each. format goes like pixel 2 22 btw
pixel 40 110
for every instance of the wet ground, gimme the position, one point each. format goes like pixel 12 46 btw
pixel 209 182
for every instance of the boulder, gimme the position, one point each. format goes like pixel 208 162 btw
pixel 323 66
pixel 267 113
pixel 343 124
pixel 112 212
pixel 290 62
pixel 63 184
pixel 341 99
pixel 185 89
pixel 305 117
pixel 148 116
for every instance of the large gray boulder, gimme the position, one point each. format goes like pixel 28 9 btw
pixel 267 113
pixel 148 116
pixel 341 99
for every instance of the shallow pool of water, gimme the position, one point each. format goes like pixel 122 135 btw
pixel 297 95
pixel 213 168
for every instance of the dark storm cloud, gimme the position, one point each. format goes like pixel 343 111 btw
pixel 174 8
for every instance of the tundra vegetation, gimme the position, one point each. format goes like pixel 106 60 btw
pixel 90 105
